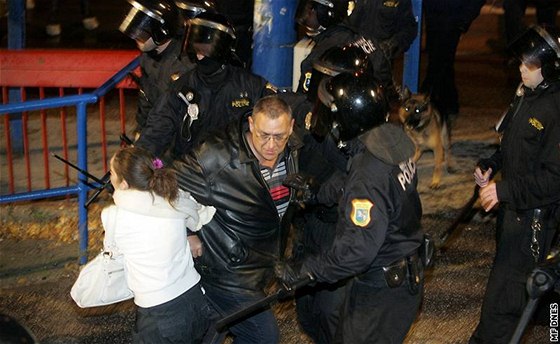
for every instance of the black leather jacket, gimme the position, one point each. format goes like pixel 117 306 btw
pixel 244 238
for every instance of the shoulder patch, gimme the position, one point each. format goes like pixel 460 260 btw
pixel 536 123
pixel 361 212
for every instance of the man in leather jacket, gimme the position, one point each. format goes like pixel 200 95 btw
pixel 240 171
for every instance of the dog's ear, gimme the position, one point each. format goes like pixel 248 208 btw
pixel 404 93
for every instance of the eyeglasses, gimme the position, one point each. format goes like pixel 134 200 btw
pixel 277 138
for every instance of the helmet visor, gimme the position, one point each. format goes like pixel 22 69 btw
pixel 209 39
pixel 536 47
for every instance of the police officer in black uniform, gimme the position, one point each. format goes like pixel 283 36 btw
pixel 207 98
pixel 378 230
pixel 323 22
pixel 157 27
pixel 528 193
pixel 389 22
pixel 318 306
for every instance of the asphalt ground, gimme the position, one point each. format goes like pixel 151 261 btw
pixel 36 274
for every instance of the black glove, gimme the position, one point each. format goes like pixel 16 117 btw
pixel 292 277
pixel 390 48
pixel 306 188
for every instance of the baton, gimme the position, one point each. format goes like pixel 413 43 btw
pixel 84 172
pixel 126 139
pixel 444 237
pixel 105 181
pixel 283 292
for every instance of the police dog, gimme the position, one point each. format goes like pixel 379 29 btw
pixel 423 123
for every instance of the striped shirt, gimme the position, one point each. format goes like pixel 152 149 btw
pixel 279 193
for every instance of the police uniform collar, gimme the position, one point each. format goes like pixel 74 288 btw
pixel 389 143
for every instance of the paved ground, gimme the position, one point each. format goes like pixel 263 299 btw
pixel 36 274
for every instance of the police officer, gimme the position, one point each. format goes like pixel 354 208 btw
pixel 318 306
pixel 391 23
pixel 528 193
pixel 323 22
pixel 157 26
pixel 208 97
pixel 378 230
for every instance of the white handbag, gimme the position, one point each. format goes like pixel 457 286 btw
pixel 102 281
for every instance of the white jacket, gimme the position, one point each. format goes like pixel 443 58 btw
pixel 151 234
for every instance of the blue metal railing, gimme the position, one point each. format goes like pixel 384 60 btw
pixel 81 188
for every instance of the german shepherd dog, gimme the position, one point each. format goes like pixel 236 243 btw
pixel 424 124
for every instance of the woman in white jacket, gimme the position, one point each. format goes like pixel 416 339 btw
pixel 149 219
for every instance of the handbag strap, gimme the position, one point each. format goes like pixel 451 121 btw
pixel 110 231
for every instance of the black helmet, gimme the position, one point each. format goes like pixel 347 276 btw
pixel 348 58
pixel 350 104
pixel 212 35
pixel 541 47
pixel 158 19
pixel 327 13
pixel 191 8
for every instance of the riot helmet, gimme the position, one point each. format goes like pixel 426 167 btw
pixel 210 34
pixel 540 47
pixel 348 58
pixel 349 104
pixel 191 8
pixel 156 19
pixel 317 15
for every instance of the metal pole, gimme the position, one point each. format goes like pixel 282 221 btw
pixel 411 69
pixel 82 194
pixel 16 41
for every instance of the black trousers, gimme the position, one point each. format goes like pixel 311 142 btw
pixel 376 313
pixel 506 296
pixel 441 46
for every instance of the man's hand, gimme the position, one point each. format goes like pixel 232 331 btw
pixel 292 278
pixel 195 245
pixel 488 196
pixel 306 188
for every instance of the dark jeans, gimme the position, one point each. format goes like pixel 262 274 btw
pixel 258 328
pixel 182 320
pixel 506 296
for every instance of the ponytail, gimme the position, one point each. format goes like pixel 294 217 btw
pixel 142 171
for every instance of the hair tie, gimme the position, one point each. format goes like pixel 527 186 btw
pixel 157 163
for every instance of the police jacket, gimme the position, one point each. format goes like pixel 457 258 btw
pixel 529 153
pixel 217 100
pixel 159 73
pixel 243 240
pixel 390 22
pixel 379 208
pixel 336 35
pixel 339 35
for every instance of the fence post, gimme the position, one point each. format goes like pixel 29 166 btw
pixel 16 41
pixel 411 69
pixel 83 188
